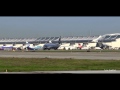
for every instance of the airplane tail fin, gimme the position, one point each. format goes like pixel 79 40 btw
pixel 27 44
pixel 59 41
pixel 50 41
pixel 79 45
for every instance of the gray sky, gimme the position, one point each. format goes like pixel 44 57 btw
pixel 43 26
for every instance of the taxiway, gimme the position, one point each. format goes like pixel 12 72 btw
pixel 74 55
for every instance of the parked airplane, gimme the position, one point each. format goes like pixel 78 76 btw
pixel 51 45
pixel 6 48
pixel 9 47
pixel 32 47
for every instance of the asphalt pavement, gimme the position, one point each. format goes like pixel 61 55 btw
pixel 74 55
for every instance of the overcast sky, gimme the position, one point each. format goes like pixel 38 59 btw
pixel 44 26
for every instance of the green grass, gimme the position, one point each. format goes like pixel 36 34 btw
pixel 47 64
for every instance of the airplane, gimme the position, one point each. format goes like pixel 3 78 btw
pixel 6 48
pixel 9 47
pixel 51 45
pixel 33 47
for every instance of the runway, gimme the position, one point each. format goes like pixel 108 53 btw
pixel 74 55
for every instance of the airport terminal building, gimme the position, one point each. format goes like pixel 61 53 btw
pixel 69 39
pixel 110 40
